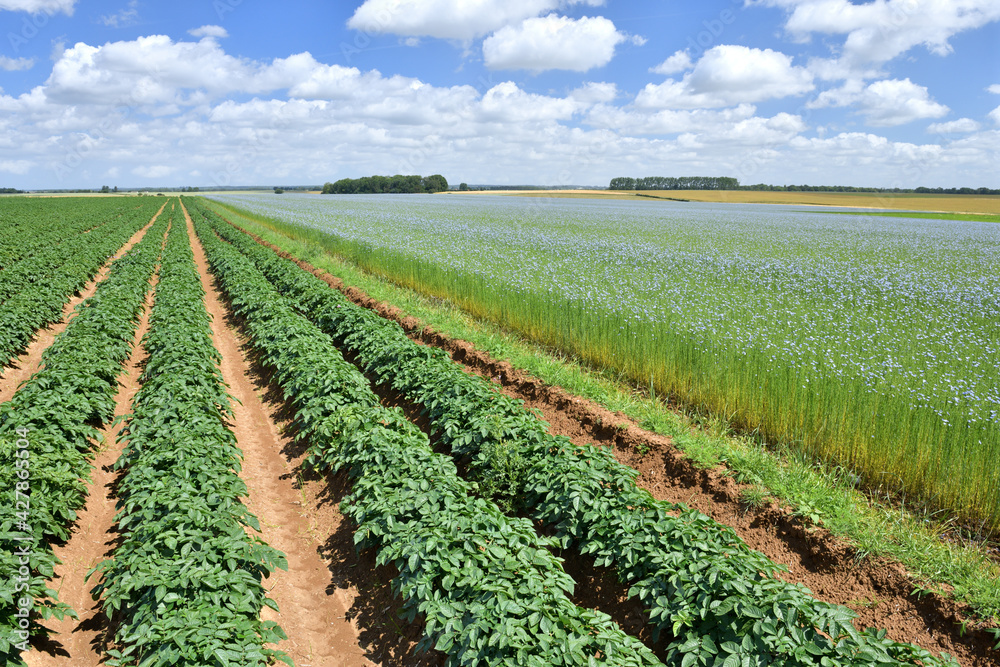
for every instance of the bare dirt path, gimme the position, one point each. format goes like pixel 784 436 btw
pixel 79 643
pixel 878 590
pixel 28 363
pixel 315 603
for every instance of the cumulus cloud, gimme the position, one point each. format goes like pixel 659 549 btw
pixel 728 75
pixel 15 166
pixel 507 103
pixel 15 64
pixel 878 31
pixel 449 19
pixel 211 31
pixel 884 103
pixel 679 62
pixel 156 70
pixel 553 42
pixel 994 116
pixel 595 93
pixel 228 120
pixel 995 89
pixel 38 6
pixel 154 171
pixel 960 126
pixel 148 70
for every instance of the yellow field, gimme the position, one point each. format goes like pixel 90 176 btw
pixel 987 204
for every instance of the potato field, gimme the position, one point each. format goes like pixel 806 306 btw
pixel 211 456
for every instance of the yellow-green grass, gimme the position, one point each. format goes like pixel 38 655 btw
pixel 878 529
pixel 989 204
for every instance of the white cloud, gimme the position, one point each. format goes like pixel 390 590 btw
pixel 728 75
pixel 507 103
pixel 994 116
pixel 449 19
pixel 553 42
pixel 49 7
pixel 154 171
pixel 300 120
pixel 155 70
pixel 211 31
pixel 995 89
pixel 884 103
pixel 125 17
pixel 595 93
pixel 15 64
pixel 738 126
pixel 15 166
pixel 679 62
pixel 960 126
pixel 881 30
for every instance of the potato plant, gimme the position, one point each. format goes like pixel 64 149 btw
pixel 34 290
pixel 58 411
pixel 719 602
pixel 184 588
pixel 486 586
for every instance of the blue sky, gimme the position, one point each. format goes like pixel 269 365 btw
pixel 549 92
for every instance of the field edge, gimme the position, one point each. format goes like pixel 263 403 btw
pixel 929 549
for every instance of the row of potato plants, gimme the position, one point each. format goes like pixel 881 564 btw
pixel 29 225
pixel 487 587
pixel 718 601
pixel 56 415
pixel 57 245
pixel 184 585
pixel 40 302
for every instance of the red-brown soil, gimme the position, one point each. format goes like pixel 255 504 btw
pixel 78 643
pixel 29 361
pixel 336 607
pixel 880 591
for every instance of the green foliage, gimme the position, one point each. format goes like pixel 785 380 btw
pixel 44 264
pixel 185 581
pixel 397 184
pixel 675 183
pixel 58 411
pixel 486 585
pixel 716 600
pixel 500 470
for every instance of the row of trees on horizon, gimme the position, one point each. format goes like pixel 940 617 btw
pixel 397 184
pixel 728 183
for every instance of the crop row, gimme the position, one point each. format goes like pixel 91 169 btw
pixel 58 244
pixel 41 302
pixel 486 585
pixel 719 602
pixel 28 226
pixel 184 586
pixel 46 432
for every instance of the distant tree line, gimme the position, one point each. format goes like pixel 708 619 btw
pixel 727 183
pixel 10 191
pixel 675 183
pixel 386 185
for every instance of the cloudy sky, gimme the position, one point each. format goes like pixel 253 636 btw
pixel 555 92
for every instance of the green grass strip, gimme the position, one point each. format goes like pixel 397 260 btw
pixel 821 493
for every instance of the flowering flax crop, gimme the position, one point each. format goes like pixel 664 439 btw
pixel 869 342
